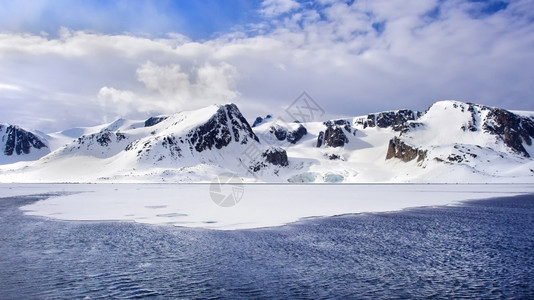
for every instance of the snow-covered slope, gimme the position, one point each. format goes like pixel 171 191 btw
pixel 451 142
pixel 342 150
pixel 187 146
pixel 487 142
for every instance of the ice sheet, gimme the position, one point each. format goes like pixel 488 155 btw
pixel 262 205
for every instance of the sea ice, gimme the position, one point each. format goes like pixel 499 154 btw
pixel 262 205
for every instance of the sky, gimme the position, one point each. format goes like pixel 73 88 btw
pixel 68 63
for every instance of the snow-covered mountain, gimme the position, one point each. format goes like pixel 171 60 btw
pixel 187 146
pixel 18 144
pixel 450 142
pixel 486 141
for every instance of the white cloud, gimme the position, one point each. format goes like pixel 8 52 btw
pixel 331 50
pixel 9 87
pixel 273 8
pixel 121 102
pixel 172 89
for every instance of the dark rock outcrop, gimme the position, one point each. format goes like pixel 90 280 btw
pixel 294 136
pixel 320 139
pixel 472 125
pixel 260 120
pixel 279 132
pixel 154 120
pixel 169 143
pixel 397 120
pixel 239 124
pixel 334 135
pixel 19 141
pixel 225 126
pixel 276 156
pixel 282 133
pixel 104 138
pixel 334 157
pixel 511 128
pixel 398 149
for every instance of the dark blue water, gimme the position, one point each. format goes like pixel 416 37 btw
pixel 483 249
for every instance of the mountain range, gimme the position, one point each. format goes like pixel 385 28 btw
pixel 450 142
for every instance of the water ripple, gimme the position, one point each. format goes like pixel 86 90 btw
pixel 481 249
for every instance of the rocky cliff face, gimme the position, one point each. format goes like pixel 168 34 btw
pixel 276 156
pixel 397 120
pixel 227 125
pixel 154 120
pixel 194 145
pixel 164 138
pixel 334 135
pixel 512 129
pixel 19 142
pixel 399 149
pixel 284 134
pixel 447 127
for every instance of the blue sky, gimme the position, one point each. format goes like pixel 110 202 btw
pixel 196 19
pixel 78 63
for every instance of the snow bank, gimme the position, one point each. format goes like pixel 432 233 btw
pixel 262 205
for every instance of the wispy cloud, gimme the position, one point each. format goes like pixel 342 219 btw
pixel 9 87
pixel 273 8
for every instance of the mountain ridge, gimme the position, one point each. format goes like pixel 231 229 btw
pixel 452 141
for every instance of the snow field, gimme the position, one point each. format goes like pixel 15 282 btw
pixel 262 205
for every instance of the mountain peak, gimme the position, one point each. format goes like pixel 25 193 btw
pixel 18 144
pixel 403 145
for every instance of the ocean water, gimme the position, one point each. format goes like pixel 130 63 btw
pixel 481 249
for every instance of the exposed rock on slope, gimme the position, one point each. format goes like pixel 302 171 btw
pixel 483 139
pixel 276 156
pixel 225 126
pixel 513 129
pixel 399 149
pixel 154 120
pixel 216 137
pixel 334 135
pixel 19 141
pixel 284 134
pixel 19 144
pixel 260 120
pixel 395 119
pixel 102 144
pixel 450 142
